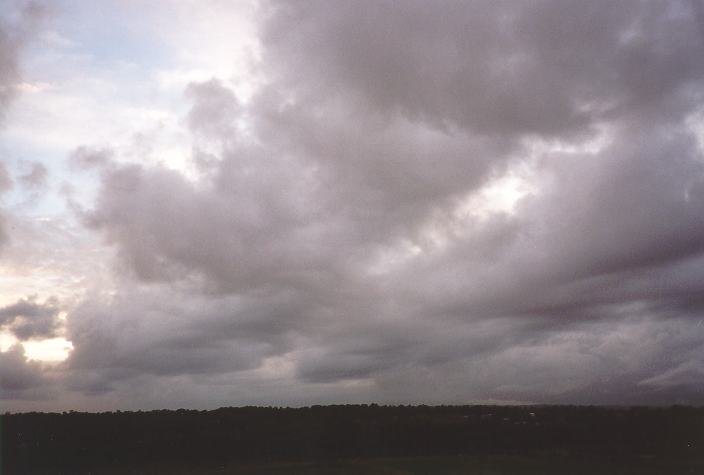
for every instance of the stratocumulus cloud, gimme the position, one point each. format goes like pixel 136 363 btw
pixel 403 202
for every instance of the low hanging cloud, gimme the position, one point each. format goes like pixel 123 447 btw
pixel 18 377
pixel 328 245
pixel 27 318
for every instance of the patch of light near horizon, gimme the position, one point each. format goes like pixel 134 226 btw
pixel 51 350
pixel 356 383
pixel 276 367
pixel 49 258
pixel 6 340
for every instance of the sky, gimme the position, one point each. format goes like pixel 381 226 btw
pixel 210 203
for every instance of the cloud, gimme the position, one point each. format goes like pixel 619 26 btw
pixel 5 180
pixel 330 241
pixel 161 333
pixel 19 378
pixel 33 184
pixel 552 68
pixel 13 37
pixel 85 158
pixel 214 110
pixel 36 177
pixel 686 374
pixel 28 318
pixel 5 185
pixel 344 193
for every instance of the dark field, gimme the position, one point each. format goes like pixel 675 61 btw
pixel 487 465
pixel 360 440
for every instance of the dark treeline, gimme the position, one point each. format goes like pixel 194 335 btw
pixel 76 442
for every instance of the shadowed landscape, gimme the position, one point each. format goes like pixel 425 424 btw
pixel 352 439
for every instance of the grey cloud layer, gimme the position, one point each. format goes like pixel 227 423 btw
pixel 546 68
pixel 13 37
pixel 5 185
pixel 321 253
pixel 19 378
pixel 28 318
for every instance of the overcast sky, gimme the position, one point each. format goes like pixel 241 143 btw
pixel 208 203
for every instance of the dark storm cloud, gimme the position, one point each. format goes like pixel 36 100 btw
pixel 547 68
pixel 28 318
pixel 162 333
pixel 330 233
pixel 19 378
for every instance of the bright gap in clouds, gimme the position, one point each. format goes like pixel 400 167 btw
pixel 498 196
pixel 52 350
pixel 6 341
